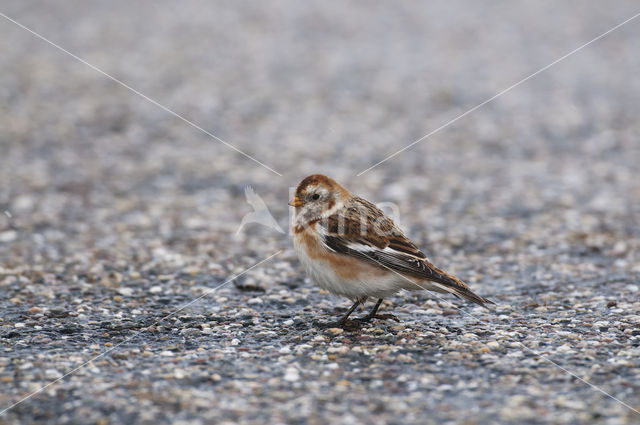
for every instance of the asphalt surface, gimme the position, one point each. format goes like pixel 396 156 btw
pixel 119 221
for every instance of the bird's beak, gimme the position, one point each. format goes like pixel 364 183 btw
pixel 295 202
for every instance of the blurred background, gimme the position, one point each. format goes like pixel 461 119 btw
pixel 532 198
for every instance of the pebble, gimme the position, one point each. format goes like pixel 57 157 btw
pixel 126 292
pixel 291 374
pixel 8 236
pixel 493 345
pixel 338 350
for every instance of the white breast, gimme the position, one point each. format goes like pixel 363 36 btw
pixel 320 273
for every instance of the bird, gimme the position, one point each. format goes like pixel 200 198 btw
pixel 260 213
pixel 349 247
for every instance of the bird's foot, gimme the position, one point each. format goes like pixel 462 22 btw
pixel 368 317
pixel 353 323
pixel 348 323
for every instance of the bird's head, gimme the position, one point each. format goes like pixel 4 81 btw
pixel 316 197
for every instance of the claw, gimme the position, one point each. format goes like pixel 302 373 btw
pixel 387 316
pixel 344 324
pixel 368 318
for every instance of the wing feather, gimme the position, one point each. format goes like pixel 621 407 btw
pixel 363 231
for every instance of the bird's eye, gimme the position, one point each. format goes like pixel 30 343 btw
pixel 315 196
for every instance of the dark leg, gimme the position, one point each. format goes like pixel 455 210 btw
pixel 344 318
pixel 373 314
pixel 375 309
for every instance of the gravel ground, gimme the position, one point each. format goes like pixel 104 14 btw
pixel 118 214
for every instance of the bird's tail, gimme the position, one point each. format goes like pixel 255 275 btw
pixel 455 286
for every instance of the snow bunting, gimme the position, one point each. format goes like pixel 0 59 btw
pixel 349 247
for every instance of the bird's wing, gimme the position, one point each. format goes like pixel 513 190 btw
pixel 363 231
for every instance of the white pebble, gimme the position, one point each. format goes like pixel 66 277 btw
pixel 291 374
pixel 8 236
pixel 52 374
pixel 127 292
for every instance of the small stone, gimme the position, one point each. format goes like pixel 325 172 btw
pixel 493 345
pixel 127 292
pixel 192 270
pixel 343 349
pixel 96 269
pixel 291 374
pixel 404 358
pixel 52 374
pixel 620 248
pixel 335 331
pixel 8 236
pixel 23 202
